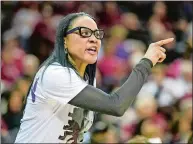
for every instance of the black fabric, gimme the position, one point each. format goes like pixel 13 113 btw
pixel 118 102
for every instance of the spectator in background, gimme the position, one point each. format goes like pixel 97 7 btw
pixel 150 123
pixel 136 50
pixel 103 133
pixel 182 122
pixel 134 27
pixel 183 34
pixel 181 81
pixel 110 65
pixel 12 58
pixel 110 14
pixel 144 108
pixel 154 127
pixel 14 114
pixel 88 8
pixel 185 78
pixel 42 39
pixel 22 85
pixel 64 8
pixel 157 86
pixel 31 64
pixel 160 15
pixel 24 22
pixel 180 29
pixel 172 51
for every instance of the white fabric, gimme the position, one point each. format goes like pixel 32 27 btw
pixel 44 119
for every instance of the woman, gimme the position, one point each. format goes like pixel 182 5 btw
pixel 62 98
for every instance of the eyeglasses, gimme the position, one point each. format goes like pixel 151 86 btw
pixel 86 32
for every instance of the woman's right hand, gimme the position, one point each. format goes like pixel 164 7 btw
pixel 155 52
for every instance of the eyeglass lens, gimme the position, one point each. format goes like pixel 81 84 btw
pixel 85 32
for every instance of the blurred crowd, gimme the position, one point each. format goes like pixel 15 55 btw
pixel 163 107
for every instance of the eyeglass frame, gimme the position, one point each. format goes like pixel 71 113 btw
pixel 79 30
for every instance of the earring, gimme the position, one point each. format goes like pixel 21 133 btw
pixel 66 50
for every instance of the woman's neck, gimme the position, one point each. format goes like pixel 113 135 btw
pixel 80 66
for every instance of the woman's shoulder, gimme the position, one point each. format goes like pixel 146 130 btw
pixel 56 71
pixel 57 75
pixel 56 68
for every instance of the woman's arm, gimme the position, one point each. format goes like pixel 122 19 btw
pixel 118 102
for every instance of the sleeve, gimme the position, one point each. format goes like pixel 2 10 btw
pixel 118 102
pixel 61 83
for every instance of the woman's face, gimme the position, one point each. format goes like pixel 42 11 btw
pixel 79 47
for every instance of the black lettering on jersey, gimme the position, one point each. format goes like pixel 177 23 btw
pixel 74 126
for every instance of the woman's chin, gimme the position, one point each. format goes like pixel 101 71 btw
pixel 91 61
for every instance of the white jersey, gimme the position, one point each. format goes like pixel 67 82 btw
pixel 48 118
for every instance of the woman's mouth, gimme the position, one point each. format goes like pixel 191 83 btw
pixel 92 51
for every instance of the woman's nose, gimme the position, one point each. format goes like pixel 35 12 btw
pixel 92 39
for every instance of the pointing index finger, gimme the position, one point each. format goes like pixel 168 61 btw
pixel 163 42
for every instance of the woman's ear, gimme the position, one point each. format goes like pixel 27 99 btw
pixel 65 42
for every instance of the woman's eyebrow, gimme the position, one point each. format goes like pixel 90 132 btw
pixel 89 28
